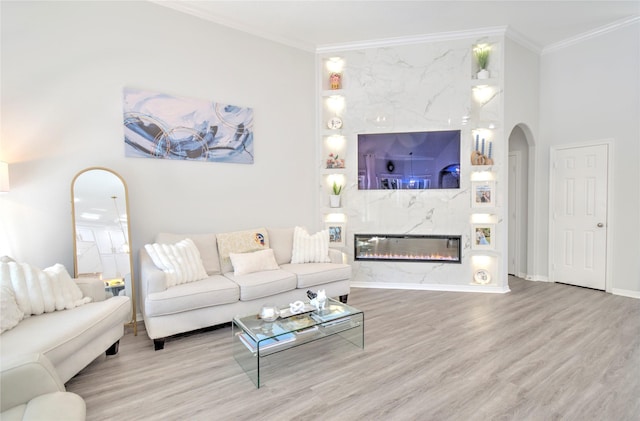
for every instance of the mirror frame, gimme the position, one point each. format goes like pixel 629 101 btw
pixel 133 321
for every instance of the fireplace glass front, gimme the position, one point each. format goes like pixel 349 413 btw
pixel 408 248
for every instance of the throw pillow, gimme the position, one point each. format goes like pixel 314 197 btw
pixel 10 314
pixel 256 261
pixel 206 244
pixel 310 248
pixel 180 262
pixel 69 289
pixel 41 291
pixel 240 242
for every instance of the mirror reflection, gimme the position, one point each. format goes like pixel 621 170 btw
pixel 101 231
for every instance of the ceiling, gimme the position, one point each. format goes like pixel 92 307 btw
pixel 318 25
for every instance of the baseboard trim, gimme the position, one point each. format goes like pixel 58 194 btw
pixel 536 278
pixel 494 289
pixel 626 293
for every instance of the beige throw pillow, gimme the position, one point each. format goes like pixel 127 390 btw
pixel 256 261
pixel 240 242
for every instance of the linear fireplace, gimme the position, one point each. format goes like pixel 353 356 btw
pixel 407 248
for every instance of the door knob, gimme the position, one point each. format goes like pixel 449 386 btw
pixel 600 225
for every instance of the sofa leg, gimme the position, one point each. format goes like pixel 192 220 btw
pixel 158 344
pixel 343 298
pixel 113 349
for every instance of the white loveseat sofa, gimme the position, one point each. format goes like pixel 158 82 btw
pixel 223 294
pixel 70 339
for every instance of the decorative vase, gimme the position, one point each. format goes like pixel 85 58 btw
pixel 334 200
pixel 483 74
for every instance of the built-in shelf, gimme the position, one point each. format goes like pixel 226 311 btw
pixel 332 92
pixel 480 82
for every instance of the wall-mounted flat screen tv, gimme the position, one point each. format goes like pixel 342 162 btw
pixel 409 160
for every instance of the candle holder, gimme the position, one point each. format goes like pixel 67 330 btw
pixel 269 312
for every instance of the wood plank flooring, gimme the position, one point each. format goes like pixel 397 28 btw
pixel 542 352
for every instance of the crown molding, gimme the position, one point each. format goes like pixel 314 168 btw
pixel 415 39
pixel 591 34
pixel 517 37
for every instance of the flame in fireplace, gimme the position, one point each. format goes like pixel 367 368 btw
pixel 390 256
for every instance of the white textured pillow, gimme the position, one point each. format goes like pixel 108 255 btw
pixel 257 261
pixel 10 314
pixel 180 262
pixel 41 291
pixel 310 248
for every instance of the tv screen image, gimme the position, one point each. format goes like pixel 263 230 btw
pixel 409 160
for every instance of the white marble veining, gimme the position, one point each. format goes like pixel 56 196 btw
pixel 414 88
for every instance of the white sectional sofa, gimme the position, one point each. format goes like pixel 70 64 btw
pixel 71 339
pixel 224 292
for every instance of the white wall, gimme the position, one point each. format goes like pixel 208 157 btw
pixel 518 146
pixel 522 92
pixel 64 65
pixel 591 91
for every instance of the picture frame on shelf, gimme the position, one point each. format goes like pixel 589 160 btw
pixel 337 234
pixel 483 194
pixel 483 236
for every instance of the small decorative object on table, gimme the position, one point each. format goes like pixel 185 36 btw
pixel 296 307
pixel 269 313
pixel 319 300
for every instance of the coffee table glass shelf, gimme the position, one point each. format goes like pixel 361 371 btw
pixel 254 338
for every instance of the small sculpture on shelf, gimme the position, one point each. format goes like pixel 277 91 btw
pixel 478 156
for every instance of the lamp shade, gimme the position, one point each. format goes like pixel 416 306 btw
pixel 4 177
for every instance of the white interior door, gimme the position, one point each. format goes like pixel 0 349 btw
pixel 579 216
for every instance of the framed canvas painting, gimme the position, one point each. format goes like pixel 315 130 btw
pixel 163 126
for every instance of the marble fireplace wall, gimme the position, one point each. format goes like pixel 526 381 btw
pixel 415 87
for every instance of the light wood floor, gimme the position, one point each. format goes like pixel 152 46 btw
pixel 542 352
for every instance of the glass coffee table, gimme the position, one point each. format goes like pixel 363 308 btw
pixel 254 338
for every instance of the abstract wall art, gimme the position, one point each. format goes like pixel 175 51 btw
pixel 162 126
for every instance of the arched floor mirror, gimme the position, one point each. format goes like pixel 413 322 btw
pixel 101 233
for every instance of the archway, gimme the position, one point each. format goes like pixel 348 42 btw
pixel 520 228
